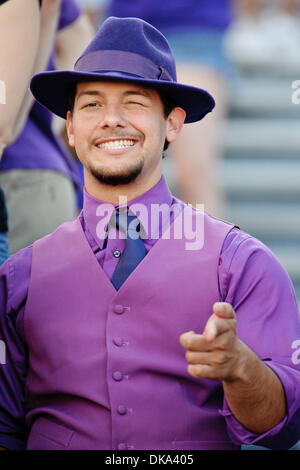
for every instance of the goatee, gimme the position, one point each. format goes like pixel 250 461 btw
pixel 111 179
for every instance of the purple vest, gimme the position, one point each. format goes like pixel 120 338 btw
pixel 106 369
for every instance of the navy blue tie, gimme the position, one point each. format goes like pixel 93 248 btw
pixel 134 250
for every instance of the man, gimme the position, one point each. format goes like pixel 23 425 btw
pixel 120 334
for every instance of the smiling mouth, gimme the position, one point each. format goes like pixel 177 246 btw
pixel 116 144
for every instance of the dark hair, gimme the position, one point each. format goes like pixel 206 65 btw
pixel 167 103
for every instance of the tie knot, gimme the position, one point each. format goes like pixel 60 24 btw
pixel 128 224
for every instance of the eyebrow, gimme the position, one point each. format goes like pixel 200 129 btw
pixel 100 94
pixel 137 92
pixel 89 93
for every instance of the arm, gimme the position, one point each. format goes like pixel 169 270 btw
pixel 19 31
pixel 71 42
pixel 50 12
pixel 255 394
pixel 267 325
pixel 14 280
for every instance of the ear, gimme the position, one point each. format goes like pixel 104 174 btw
pixel 70 131
pixel 175 122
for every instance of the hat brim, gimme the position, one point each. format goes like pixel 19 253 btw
pixel 52 89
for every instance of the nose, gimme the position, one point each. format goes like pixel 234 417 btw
pixel 111 117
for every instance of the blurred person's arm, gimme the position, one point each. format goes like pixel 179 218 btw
pixel 19 34
pixel 252 7
pixel 71 42
pixel 50 13
pixel 95 10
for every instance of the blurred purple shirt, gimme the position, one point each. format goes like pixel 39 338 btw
pixel 177 15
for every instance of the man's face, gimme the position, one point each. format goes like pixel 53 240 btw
pixel 118 130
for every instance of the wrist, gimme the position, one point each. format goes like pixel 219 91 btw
pixel 245 366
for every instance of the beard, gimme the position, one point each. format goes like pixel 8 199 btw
pixel 123 177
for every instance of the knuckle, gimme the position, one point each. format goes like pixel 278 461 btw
pixel 198 371
pixel 221 357
pixel 188 356
pixel 222 343
pixel 216 372
pixel 195 371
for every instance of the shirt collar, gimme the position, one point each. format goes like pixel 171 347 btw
pixel 97 213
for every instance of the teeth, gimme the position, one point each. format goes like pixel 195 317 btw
pixel 116 144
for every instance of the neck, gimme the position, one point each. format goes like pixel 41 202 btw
pixel 113 194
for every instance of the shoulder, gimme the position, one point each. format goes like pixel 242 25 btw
pixel 241 247
pixel 246 265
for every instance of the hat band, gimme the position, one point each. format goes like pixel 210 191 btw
pixel 121 61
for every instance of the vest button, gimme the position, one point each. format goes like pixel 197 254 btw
pixel 121 446
pixel 117 376
pixel 121 410
pixel 118 341
pixel 117 253
pixel 118 309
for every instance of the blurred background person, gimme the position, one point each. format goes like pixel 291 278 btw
pixel 195 30
pixel 4 250
pixel 19 33
pixel 40 179
pixel 266 34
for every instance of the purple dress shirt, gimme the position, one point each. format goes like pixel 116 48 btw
pixel 248 272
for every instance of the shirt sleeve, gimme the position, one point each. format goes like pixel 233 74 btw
pixel 69 13
pixel 14 281
pixel 254 282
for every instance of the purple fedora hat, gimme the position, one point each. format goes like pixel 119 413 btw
pixel 124 49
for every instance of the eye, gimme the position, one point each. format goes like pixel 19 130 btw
pixel 134 102
pixel 92 105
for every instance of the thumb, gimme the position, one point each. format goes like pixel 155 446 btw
pixel 223 310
